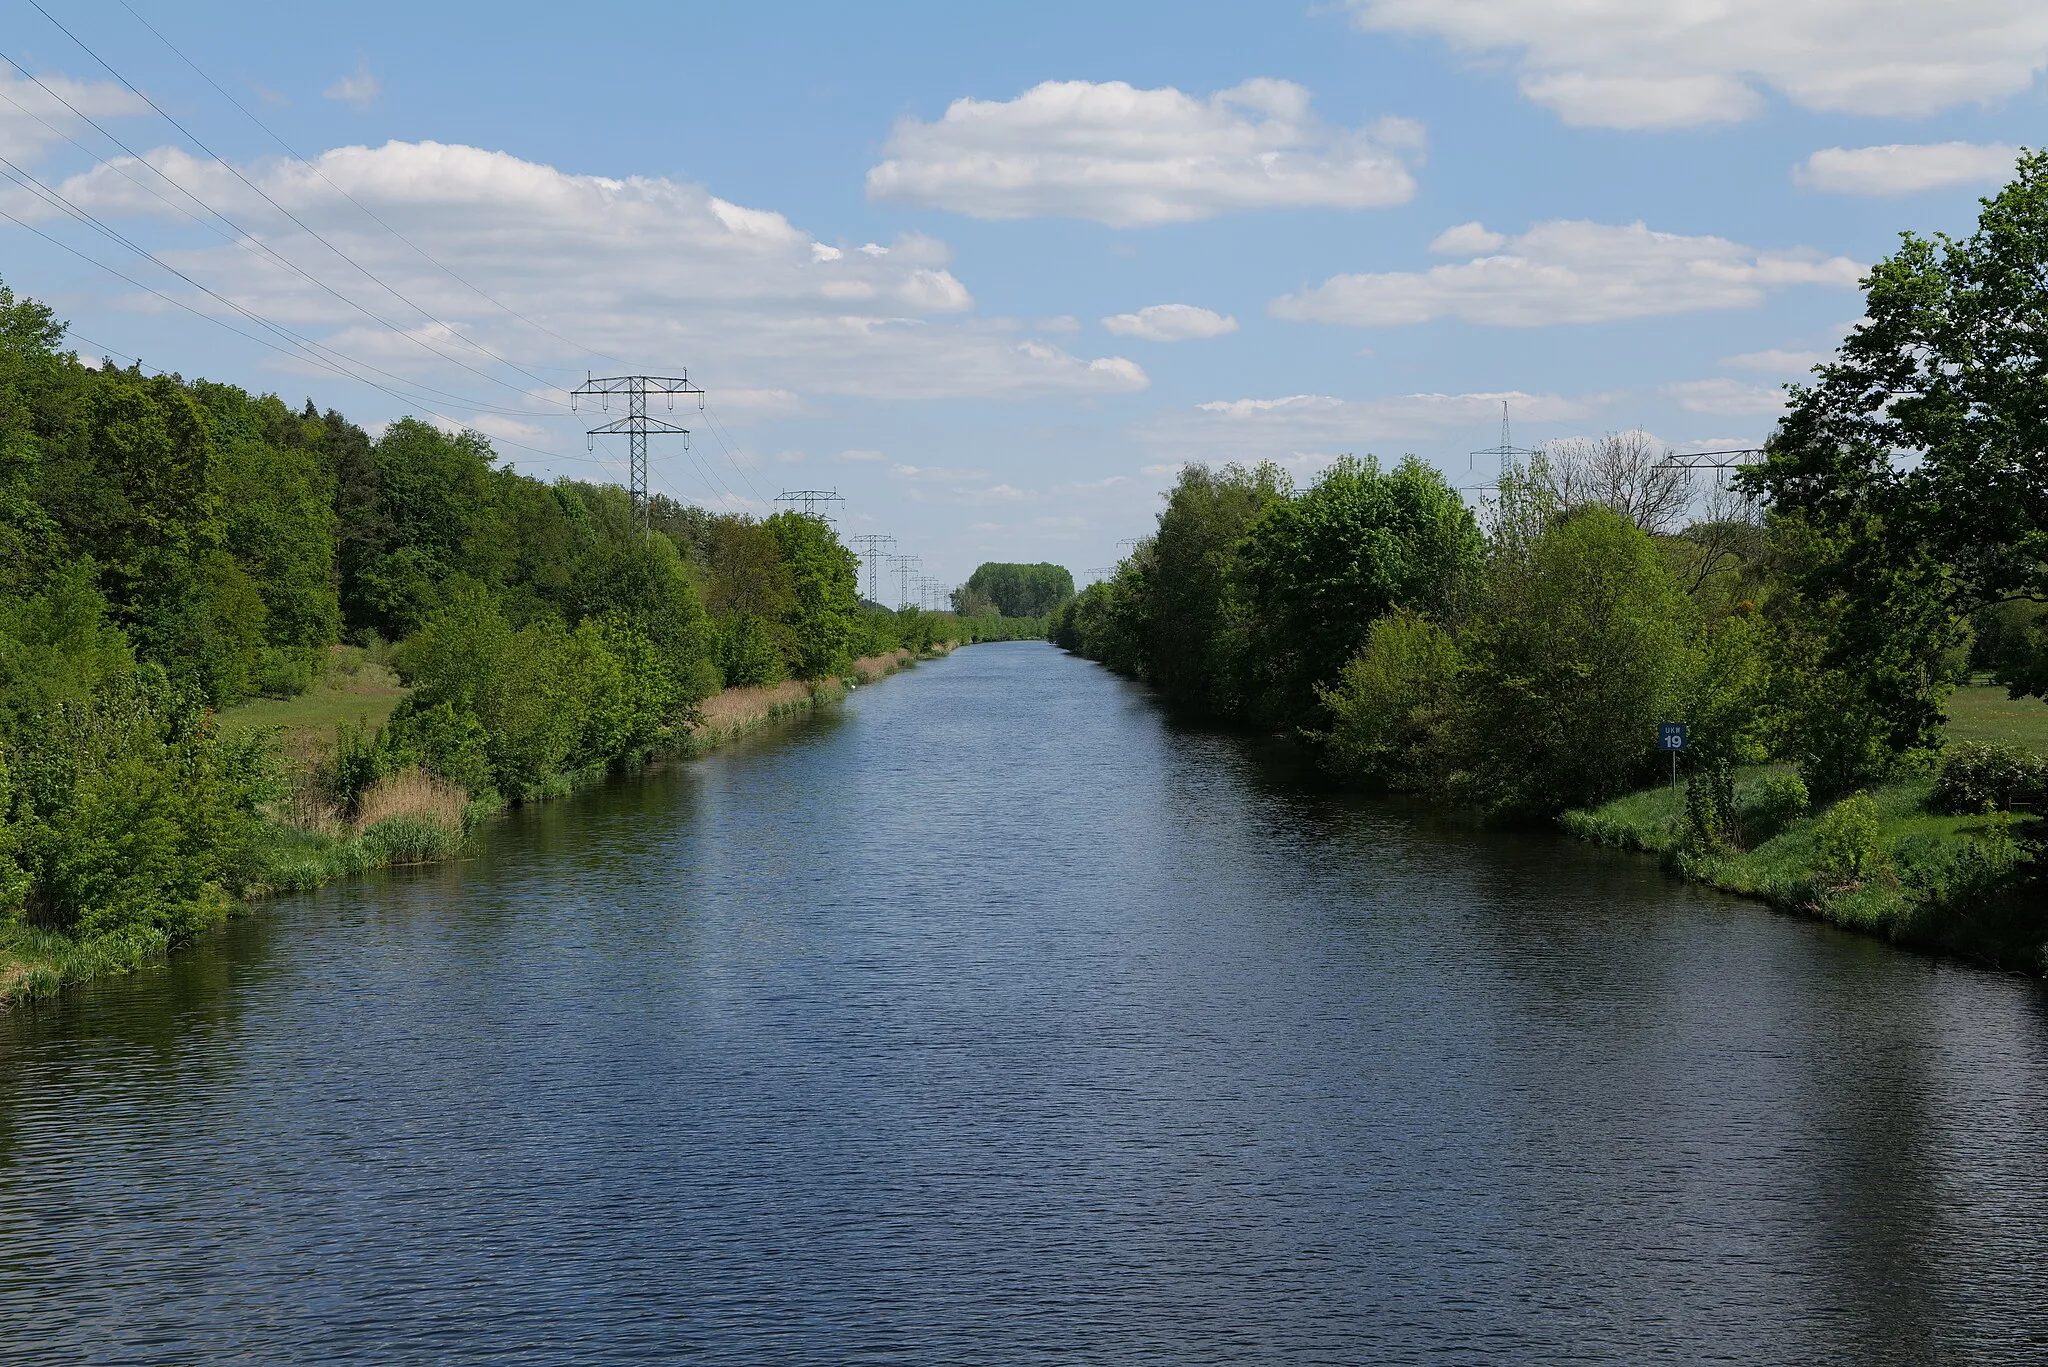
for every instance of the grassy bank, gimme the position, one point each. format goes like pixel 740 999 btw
pixel 405 818
pixel 1893 865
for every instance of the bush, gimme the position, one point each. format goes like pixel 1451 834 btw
pixel 748 656
pixel 1846 847
pixel 1388 705
pixel 1977 777
pixel 1773 805
pixel 1578 652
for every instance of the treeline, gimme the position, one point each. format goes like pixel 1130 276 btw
pixel 1816 615
pixel 169 548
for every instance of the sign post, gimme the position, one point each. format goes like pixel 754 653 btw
pixel 1671 737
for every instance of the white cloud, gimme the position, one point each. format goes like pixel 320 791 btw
pixel 1906 168
pixel 1133 158
pixel 1314 427
pixel 359 89
pixel 859 456
pixel 1729 398
pixel 1631 64
pixel 656 270
pixel 32 117
pixel 497 425
pixel 1467 239
pixel 1777 362
pixel 1570 271
pixel 1170 323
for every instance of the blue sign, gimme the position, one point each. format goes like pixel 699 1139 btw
pixel 1670 735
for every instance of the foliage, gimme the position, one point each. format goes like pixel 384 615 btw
pixel 1847 850
pixel 1975 777
pixel 1575 655
pixel 1008 590
pixel 823 617
pixel 1775 803
pixel 1392 703
pixel 1196 641
pixel 1321 568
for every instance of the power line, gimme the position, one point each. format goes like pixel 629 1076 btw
pixel 250 237
pixel 311 349
pixel 314 167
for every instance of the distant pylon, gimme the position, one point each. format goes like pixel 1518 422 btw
pixel 870 546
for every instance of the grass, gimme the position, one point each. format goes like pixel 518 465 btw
pixel 1956 884
pixel 1983 712
pixel 356 688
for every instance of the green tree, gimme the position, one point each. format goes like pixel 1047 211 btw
pixel 1391 707
pixel 1321 568
pixel 1014 590
pixel 824 614
pixel 1578 650
pixel 1196 639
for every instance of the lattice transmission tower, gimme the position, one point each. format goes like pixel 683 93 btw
pixel 870 546
pixel 636 424
pixel 812 500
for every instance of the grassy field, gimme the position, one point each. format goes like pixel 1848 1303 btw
pixel 1983 712
pixel 356 689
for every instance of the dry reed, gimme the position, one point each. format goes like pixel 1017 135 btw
pixel 412 792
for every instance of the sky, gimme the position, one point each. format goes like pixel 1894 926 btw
pixel 994 274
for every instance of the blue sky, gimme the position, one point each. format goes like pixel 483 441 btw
pixel 993 274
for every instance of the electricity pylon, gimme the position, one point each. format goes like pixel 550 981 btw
pixel 636 424
pixel 904 565
pixel 870 545
pixel 812 499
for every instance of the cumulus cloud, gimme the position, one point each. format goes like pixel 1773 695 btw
pixel 1132 158
pixel 1730 398
pixel 360 89
pixel 33 116
pixel 1570 271
pixel 1170 323
pixel 657 270
pixel 1311 428
pixel 1899 168
pixel 1777 361
pixel 1627 64
pixel 1467 239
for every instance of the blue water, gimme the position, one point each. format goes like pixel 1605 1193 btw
pixel 991 1018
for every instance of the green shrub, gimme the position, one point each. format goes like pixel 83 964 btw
pixel 1846 846
pixel 1771 806
pixel 748 655
pixel 1387 708
pixel 1976 777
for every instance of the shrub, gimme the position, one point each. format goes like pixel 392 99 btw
pixel 1846 848
pixel 1978 777
pixel 1388 705
pixel 1578 652
pixel 1773 805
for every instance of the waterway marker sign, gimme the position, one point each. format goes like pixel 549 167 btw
pixel 1670 735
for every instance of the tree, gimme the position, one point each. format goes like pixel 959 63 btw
pixel 1016 590
pixel 1321 568
pixel 824 612
pixel 1914 470
pixel 1578 650
pixel 1195 641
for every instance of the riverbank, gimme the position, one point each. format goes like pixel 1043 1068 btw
pixel 1956 872
pixel 406 818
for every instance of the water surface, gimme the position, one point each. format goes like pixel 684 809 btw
pixel 991 1018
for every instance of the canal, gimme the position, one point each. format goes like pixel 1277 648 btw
pixel 993 1018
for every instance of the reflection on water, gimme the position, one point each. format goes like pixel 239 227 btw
pixel 992 1018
